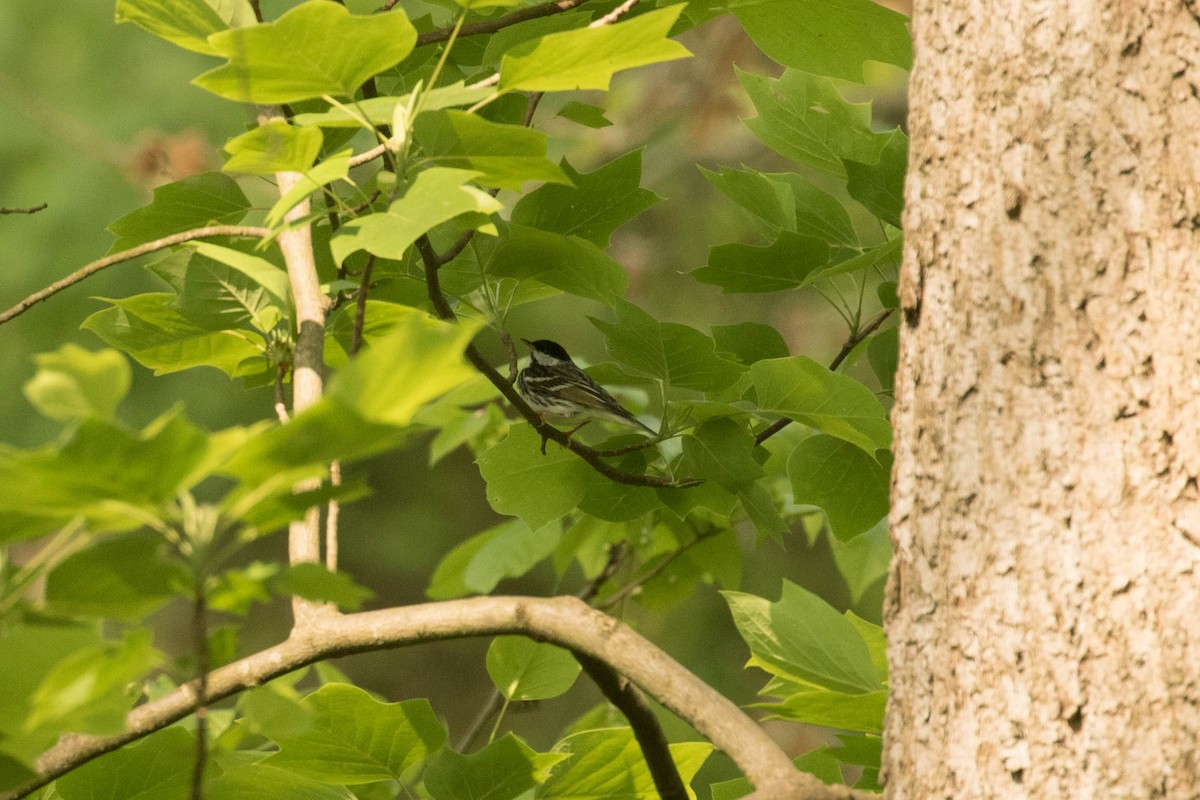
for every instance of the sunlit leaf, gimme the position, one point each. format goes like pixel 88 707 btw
pixel 504 770
pixel 523 669
pixel 187 23
pixel 607 764
pixel 72 382
pixel 146 770
pixel 503 155
pixel 273 147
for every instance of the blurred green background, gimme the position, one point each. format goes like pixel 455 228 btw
pixel 95 115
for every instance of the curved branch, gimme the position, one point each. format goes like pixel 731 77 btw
pixel 564 621
pixel 29 210
pixel 88 270
pixel 851 343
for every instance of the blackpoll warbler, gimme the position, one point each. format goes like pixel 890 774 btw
pixel 554 387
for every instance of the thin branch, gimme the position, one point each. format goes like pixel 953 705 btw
pixel 433 263
pixel 87 271
pixel 613 15
pixel 332 514
pixel 531 107
pixel 493 25
pixel 30 210
pixel 280 404
pixel 369 155
pixel 360 306
pixel 200 649
pixel 631 587
pixel 847 348
pixel 646 728
pixel 564 621
pixel 490 709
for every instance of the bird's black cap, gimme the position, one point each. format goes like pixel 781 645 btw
pixel 552 349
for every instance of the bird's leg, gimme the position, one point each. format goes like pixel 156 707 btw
pixel 577 427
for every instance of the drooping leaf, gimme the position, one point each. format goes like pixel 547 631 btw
pixel 802 117
pixel 187 23
pixel 504 770
pixel 503 155
pixel 524 483
pixel 381 110
pixel 273 147
pixel 880 186
pixel 523 669
pixel 507 550
pixel 883 353
pixel 72 382
pixel 156 335
pixel 356 739
pixel 196 201
pixel 586 115
pixel 787 263
pixel 599 202
pixel 863 561
pixel 760 507
pixel 314 49
pixel 847 483
pixel 121 578
pixel 720 450
pixel 801 638
pixel 245 776
pixel 827 38
pixel 586 58
pixel 436 196
pixel 679 355
pixel 748 342
pixel 569 263
pixel 817 705
pixel 803 390
pixel 334 168
pixel 314 582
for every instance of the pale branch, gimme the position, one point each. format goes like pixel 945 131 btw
pixel 499 23
pixel 29 210
pixel 851 343
pixel 433 262
pixel 88 270
pixel 308 356
pixel 369 155
pixel 564 621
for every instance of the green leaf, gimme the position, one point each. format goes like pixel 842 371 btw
pixel 121 578
pixel 677 354
pixel 607 764
pixel 801 638
pixel 524 483
pixel 587 115
pixel 235 590
pixel 187 23
pixel 210 198
pixel 883 353
pixel 356 739
pixel 508 550
pixel 503 155
pixel 600 201
pixel 437 195
pixel 803 390
pixel 847 483
pixel 273 147
pixel 760 507
pixel 586 58
pixel 819 762
pixel 769 200
pixel 827 37
pixel 748 342
pixel 314 49
pixel 334 168
pixel 568 263
pixel 152 769
pixel 111 477
pixel 259 271
pixel 149 329
pixel 721 450
pixel 72 382
pixel 523 669
pixel 473 4
pixel 251 779
pixel 880 186
pixel 816 705
pixel 802 117
pixel 787 263
pixel 863 561
pixel 86 692
pixel 883 256
pixel 872 634
pixel 275 710
pixel 788 201
pixel 313 581
pixel 504 770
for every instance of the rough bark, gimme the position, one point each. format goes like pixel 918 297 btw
pixel 1043 608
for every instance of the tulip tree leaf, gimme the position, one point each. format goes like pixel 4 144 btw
pixel 523 669
pixel 847 483
pixel 187 23
pixel 569 263
pixel 608 763
pixel 826 37
pixel 146 770
pixel 273 147
pixel 880 186
pixel 314 49
pixel 502 155
pixel 787 263
pixel 523 483
pixel 198 200
pixel 586 58
pixel 504 770
pixel 72 382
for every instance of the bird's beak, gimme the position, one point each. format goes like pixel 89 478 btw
pixel 526 341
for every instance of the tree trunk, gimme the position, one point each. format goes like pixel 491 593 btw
pixel 1043 609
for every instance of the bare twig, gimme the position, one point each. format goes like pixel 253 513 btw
pixel 613 15
pixel 369 155
pixel 493 25
pixel 30 210
pixel 851 343
pixel 491 708
pixel 646 728
pixel 531 107
pixel 564 621
pixel 332 513
pixel 280 404
pixel 631 587
pixel 87 271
